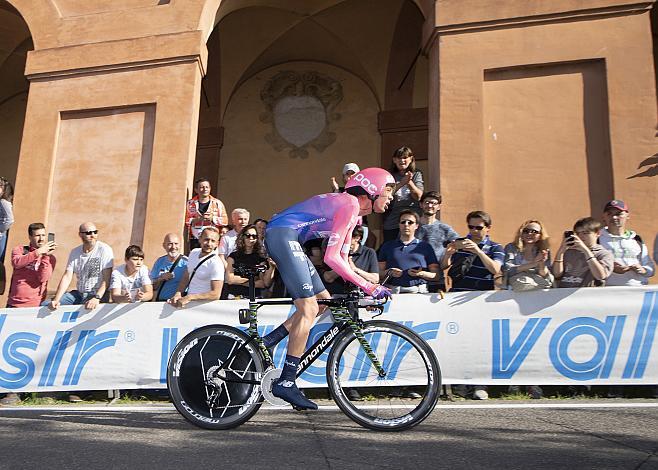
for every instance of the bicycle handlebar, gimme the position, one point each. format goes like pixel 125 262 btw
pixel 352 300
pixel 250 272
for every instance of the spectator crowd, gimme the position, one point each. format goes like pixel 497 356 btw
pixel 419 254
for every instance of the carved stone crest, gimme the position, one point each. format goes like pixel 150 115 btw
pixel 300 106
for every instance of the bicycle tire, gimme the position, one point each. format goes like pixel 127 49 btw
pixel 187 371
pixel 348 367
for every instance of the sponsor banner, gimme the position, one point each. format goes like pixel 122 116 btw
pixel 559 336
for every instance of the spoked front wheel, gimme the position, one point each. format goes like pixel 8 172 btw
pixel 214 377
pixel 403 396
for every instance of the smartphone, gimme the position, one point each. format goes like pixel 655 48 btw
pixel 51 237
pixel 569 237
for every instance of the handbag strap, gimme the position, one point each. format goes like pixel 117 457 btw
pixel 187 288
pixel 171 270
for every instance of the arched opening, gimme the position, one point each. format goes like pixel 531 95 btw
pixel 15 42
pixel 357 87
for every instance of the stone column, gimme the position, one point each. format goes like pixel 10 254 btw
pixel 110 137
pixel 542 110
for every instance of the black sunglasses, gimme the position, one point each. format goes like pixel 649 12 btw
pixel 529 231
pixel 90 232
pixel 407 222
pixel 476 227
pixel 251 236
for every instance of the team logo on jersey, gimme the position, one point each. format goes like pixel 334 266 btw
pixel 334 238
pixel 312 222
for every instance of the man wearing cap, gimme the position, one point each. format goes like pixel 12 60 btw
pixel 633 265
pixel 349 170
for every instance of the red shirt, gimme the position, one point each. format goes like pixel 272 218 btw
pixel 29 282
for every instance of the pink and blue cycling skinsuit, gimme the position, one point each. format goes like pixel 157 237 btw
pixel 332 216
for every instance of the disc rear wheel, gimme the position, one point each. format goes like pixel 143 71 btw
pixel 214 377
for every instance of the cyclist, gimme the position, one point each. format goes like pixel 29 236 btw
pixel 332 216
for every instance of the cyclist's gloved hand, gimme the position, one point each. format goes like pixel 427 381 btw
pixel 380 292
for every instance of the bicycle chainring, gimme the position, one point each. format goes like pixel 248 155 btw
pixel 269 377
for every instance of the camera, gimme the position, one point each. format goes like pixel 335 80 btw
pixel 448 242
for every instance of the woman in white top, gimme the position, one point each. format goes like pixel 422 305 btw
pixel 130 282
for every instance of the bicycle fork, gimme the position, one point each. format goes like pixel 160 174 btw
pixel 346 316
pixel 344 319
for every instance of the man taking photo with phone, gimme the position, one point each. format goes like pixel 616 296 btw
pixel 475 261
pixel 581 261
pixel 33 266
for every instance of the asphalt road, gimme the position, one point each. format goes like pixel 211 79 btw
pixel 455 436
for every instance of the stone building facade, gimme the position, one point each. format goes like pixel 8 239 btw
pixel 523 108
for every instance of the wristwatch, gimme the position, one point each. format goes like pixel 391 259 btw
pixel 97 297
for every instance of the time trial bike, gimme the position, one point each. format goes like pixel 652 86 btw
pixel 218 376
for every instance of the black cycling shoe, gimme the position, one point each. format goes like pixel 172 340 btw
pixel 288 391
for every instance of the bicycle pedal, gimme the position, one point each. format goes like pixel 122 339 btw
pixel 300 408
pixel 244 315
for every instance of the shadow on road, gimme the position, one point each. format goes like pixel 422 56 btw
pixel 475 438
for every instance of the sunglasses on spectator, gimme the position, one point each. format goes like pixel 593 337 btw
pixel 431 202
pixel 476 227
pixel 90 232
pixel 407 222
pixel 529 231
pixel 251 236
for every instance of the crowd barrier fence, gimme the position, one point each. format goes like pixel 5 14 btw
pixel 584 336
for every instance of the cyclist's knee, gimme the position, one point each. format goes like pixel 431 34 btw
pixel 308 307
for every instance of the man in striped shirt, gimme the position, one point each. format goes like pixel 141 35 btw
pixel 474 261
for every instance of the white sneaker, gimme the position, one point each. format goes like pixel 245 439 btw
pixel 479 394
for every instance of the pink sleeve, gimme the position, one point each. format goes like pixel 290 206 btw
pixel 339 245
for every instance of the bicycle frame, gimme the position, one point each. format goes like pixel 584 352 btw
pixel 345 317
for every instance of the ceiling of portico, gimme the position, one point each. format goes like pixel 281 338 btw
pixel 15 42
pixel 304 7
pixel 356 35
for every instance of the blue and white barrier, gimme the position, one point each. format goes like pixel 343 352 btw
pixel 558 336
